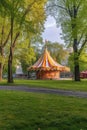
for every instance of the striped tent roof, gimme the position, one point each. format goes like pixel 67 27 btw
pixel 46 62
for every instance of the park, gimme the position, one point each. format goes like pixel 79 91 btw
pixel 43 83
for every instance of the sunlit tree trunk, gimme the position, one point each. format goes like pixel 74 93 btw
pixel 1 69
pixel 10 74
pixel 1 64
pixel 10 58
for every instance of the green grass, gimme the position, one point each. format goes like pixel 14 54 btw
pixel 61 84
pixel 30 111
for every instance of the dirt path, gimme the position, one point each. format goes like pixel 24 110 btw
pixel 45 90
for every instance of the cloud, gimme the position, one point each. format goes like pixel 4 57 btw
pixel 50 22
pixel 49 25
pixel 51 32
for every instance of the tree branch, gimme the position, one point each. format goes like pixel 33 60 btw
pixel 79 5
pixel 64 1
pixel 57 6
pixel 85 41
pixel 28 9
pixel 14 43
pixel 80 38
pixel 7 39
pixel 2 33
pixel 82 34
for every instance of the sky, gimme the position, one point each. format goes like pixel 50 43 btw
pixel 51 32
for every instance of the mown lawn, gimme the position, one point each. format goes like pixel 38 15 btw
pixel 30 111
pixel 58 84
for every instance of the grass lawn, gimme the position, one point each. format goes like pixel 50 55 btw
pixel 30 111
pixel 58 84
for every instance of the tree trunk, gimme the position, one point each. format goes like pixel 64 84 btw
pixel 76 62
pixel 76 69
pixel 10 74
pixel 10 58
pixel 75 43
pixel 1 69
pixel 1 64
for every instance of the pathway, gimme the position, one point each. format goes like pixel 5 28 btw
pixel 45 90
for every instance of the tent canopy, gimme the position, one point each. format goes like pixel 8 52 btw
pixel 46 63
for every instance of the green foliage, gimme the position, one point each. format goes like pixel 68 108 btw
pixel 5 68
pixel 2 59
pixel 82 61
pixel 71 62
pixel 27 58
pixel 25 54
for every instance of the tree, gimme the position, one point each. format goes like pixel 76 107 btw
pixel 24 15
pixel 72 15
pixel 4 37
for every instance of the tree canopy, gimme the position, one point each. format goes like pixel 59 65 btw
pixel 26 19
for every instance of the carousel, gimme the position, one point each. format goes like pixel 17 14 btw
pixel 47 68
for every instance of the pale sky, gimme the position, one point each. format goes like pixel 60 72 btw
pixel 51 32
